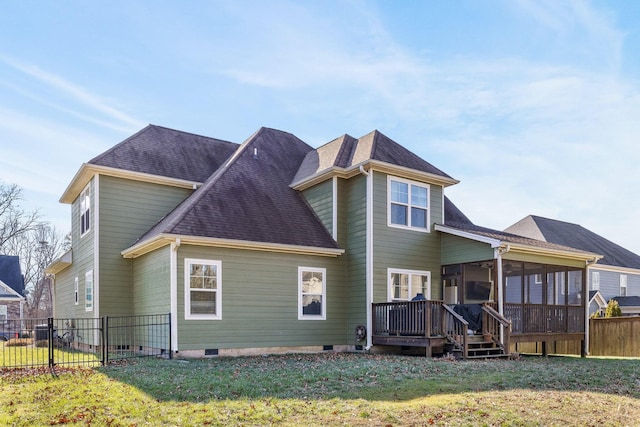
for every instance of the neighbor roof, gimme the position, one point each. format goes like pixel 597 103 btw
pixel 11 275
pixel 576 236
pixel 347 152
pixel 505 237
pixel 161 151
pixel 630 301
pixel 249 198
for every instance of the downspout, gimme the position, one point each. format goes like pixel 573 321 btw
pixel 499 251
pixel 369 254
pixel 173 279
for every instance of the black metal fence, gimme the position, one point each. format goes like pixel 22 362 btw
pixel 83 342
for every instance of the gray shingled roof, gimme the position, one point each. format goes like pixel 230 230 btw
pixel 576 236
pixel 249 198
pixel 505 237
pixel 453 215
pixel 11 274
pixel 347 151
pixel 630 301
pixel 167 152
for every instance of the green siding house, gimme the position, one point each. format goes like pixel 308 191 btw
pixel 273 246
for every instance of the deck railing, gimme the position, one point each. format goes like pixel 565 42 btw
pixel 495 326
pixel 539 318
pixel 408 318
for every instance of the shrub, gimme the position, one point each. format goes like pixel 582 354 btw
pixel 613 309
pixel 18 342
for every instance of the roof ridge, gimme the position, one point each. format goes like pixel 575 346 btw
pixel 190 133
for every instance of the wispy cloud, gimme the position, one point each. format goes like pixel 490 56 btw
pixel 73 91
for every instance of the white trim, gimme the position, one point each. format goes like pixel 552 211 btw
pixel 163 239
pixel 323 306
pixel 87 171
pixel 10 290
pixel 369 256
pixel 173 292
pixel 409 206
pixel 614 268
pixel 187 289
pixel 379 166
pixel 468 235
pixel 334 213
pixel 409 273
pixel 96 249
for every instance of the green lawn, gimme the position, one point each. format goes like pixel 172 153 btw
pixel 329 389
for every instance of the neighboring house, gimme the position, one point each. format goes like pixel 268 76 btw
pixel 12 298
pixel 273 246
pixel 615 275
pixel 630 306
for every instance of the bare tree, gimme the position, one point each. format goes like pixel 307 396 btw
pixel 14 222
pixel 37 249
pixel 36 243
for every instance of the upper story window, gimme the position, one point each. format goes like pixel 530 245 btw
pixel 408 204
pixel 311 293
pixel 202 289
pixel 85 210
pixel 405 285
pixel 623 285
pixel 595 280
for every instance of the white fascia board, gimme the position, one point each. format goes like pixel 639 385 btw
pixel 495 243
pixel 377 165
pixel 165 239
pixel 586 256
pixel 614 269
pixel 11 291
pixel 87 171
pixel 59 264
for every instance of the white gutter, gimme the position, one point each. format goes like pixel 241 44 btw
pixel 369 254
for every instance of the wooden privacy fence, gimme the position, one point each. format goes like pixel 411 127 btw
pixel 614 336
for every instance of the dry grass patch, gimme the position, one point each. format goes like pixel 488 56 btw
pixel 329 389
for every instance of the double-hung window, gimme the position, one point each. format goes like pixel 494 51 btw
pixel 623 285
pixel 408 204
pixel 312 293
pixel 88 291
pixel 595 280
pixel 202 289
pixel 85 210
pixel 404 285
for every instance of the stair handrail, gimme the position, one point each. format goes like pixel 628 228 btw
pixel 459 323
pixel 505 327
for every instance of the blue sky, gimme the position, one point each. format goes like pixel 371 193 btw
pixel 533 105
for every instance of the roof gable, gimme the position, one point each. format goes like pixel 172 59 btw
pixel 347 152
pixel 167 152
pixel 576 236
pixel 453 215
pixel 249 198
pixel 11 274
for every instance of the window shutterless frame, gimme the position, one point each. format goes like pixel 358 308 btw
pixel 202 289
pixel 312 293
pixel 408 204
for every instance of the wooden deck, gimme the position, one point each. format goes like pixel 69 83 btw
pixel 437 327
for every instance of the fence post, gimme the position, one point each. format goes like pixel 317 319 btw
pixel 51 338
pixel 105 347
pixel 170 348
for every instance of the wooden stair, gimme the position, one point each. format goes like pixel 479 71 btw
pixel 479 347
